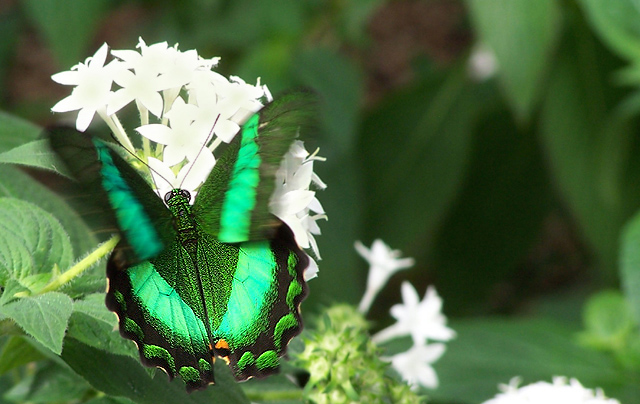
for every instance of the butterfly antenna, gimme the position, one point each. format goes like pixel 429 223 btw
pixel 209 137
pixel 146 164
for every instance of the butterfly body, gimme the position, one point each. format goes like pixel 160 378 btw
pixel 219 278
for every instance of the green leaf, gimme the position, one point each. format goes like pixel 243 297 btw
pixel 33 154
pixel 590 147
pixel 630 265
pixel 110 400
pixel 16 184
pixel 91 323
pixel 522 33
pixel 44 317
pixel 414 149
pixel 617 23
pixel 496 216
pixel 55 384
pixel 31 243
pixel 340 86
pixel 127 378
pixel 17 352
pixel 67 25
pixel 276 389
pixel 487 352
pixel 15 131
pixel 608 320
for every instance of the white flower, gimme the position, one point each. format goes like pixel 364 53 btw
pixel 415 367
pixel 312 269
pixel 292 201
pixel 158 79
pixel 182 138
pixel 559 392
pixel 383 262
pixel 483 63
pixel 420 319
pixel 190 176
pixel 92 91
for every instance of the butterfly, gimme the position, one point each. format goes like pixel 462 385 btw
pixel 221 277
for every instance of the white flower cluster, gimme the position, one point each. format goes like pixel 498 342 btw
pixel 293 201
pixel 422 320
pixel 186 111
pixel 561 391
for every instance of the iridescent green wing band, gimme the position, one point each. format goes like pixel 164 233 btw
pixel 116 191
pixel 262 312
pixel 233 203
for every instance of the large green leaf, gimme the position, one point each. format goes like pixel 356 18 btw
pixel 44 317
pixel 49 384
pixel 16 184
pixel 487 352
pixel 123 376
pixel 94 325
pixel 496 217
pixel 339 85
pixel 15 131
pixel 34 154
pixel 414 149
pixel 17 352
pixel 522 33
pixel 617 23
pixel 591 149
pixel 32 242
pixel 630 264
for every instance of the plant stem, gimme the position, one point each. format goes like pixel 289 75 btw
pixel 84 264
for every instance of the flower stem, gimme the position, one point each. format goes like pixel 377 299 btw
pixel 118 131
pixel 84 264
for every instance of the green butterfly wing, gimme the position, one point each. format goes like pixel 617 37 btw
pixel 116 191
pixel 230 286
pixel 233 204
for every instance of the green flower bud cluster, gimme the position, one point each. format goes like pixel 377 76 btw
pixel 345 365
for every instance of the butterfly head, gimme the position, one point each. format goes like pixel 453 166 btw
pixel 177 196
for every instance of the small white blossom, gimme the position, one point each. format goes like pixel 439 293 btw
pixel 561 391
pixel 312 270
pixel 182 138
pixel 420 319
pixel 92 91
pixel 415 367
pixel 483 63
pixel 293 202
pixel 383 262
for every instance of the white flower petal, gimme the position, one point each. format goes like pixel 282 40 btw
pixel 67 104
pixel 85 116
pixel 559 392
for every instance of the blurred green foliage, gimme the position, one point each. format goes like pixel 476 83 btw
pixel 511 190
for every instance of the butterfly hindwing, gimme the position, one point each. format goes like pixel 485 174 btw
pixel 159 307
pixel 261 314
pixel 233 203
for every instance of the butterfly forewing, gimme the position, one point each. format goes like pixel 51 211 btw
pixel 115 190
pixel 233 203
